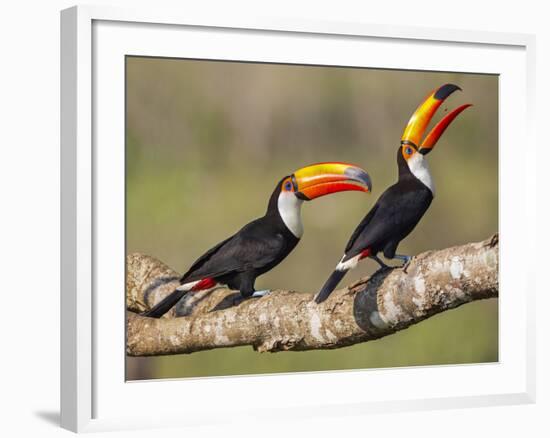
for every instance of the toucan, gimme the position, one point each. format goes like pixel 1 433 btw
pixel 263 243
pixel 403 204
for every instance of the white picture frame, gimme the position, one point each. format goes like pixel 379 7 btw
pixel 94 40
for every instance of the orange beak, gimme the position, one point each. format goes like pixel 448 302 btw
pixel 423 115
pixel 325 178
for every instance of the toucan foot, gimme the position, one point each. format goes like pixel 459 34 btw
pixel 261 293
pixel 406 261
pixel 256 294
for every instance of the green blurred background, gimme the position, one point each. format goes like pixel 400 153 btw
pixel 207 141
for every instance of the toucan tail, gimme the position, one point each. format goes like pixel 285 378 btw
pixel 171 300
pixel 330 285
pixel 165 305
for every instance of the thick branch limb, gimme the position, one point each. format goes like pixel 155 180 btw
pixel 373 307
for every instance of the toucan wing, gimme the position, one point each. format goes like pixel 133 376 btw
pixel 360 228
pixel 241 252
pixel 392 216
pixel 353 244
pixel 196 266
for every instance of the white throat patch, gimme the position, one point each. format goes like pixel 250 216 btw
pixel 290 208
pixel 419 168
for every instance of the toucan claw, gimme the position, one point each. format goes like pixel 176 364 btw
pixel 261 293
pixel 406 262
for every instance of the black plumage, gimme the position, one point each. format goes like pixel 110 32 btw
pixel 395 214
pixel 401 206
pixel 255 249
pixel 238 260
pixel 263 243
pixel 393 217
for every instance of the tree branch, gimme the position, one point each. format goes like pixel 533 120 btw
pixel 373 307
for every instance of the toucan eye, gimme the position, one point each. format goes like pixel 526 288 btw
pixel 408 150
pixel 288 186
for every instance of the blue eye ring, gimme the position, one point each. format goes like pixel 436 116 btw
pixel 288 186
pixel 408 150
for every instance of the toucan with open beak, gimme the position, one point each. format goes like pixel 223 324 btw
pixel 402 205
pixel 263 243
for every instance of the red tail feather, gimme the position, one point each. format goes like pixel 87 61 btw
pixel 206 283
pixel 365 253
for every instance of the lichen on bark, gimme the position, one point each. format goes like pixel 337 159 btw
pixel 372 307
